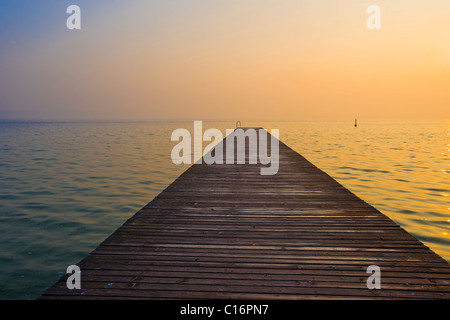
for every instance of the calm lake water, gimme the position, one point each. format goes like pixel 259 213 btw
pixel 65 187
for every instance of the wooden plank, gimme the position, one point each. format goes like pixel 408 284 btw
pixel 227 232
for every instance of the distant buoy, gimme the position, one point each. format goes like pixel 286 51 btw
pixel 356 123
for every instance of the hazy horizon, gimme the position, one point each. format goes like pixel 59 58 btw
pixel 238 60
pixel 243 122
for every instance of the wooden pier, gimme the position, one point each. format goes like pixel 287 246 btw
pixel 228 232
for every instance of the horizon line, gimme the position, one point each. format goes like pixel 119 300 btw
pixel 215 120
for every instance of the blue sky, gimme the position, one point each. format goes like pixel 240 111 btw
pixel 29 20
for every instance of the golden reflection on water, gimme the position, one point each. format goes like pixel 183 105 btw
pixel 401 168
pixel 66 187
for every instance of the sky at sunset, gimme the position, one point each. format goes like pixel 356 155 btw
pixel 225 60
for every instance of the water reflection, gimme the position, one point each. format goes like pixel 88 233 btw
pixel 66 186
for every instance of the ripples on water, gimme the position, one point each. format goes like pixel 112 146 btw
pixel 65 187
pixel 400 168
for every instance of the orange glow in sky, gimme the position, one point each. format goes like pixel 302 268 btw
pixel 228 60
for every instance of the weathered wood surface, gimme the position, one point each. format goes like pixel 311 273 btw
pixel 227 232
